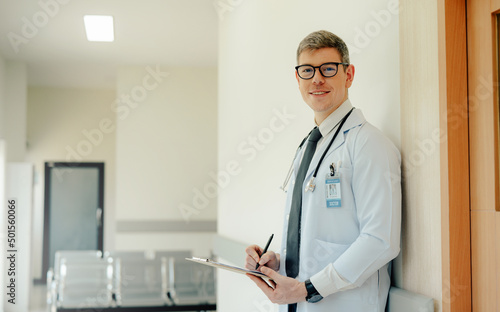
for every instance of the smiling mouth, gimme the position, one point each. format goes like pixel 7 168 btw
pixel 319 92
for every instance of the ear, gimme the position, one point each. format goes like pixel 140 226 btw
pixel 297 77
pixel 349 76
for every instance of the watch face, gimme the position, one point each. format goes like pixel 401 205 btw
pixel 315 298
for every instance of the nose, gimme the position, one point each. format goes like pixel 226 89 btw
pixel 318 77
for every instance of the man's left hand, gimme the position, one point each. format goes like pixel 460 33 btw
pixel 282 289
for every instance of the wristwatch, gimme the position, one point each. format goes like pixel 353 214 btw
pixel 312 294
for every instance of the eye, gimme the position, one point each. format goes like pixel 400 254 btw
pixel 329 69
pixel 306 70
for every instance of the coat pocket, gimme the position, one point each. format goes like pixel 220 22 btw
pixel 328 251
pixel 319 254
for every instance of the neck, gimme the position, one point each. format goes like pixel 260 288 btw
pixel 319 117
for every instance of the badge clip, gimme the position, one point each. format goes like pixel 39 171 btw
pixel 332 169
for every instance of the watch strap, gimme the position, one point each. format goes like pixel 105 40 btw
pixel 312 293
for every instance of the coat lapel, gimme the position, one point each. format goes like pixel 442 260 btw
pixel 355 119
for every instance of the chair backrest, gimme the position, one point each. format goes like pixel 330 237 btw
pixel 177 254
pixel 140 278
pixel 85 281
pixel 125 254
pixel 80 255
pixel 138 272
pixel 185 277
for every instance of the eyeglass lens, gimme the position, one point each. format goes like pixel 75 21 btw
pixel 308 71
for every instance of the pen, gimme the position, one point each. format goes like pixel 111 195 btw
pixel 265 248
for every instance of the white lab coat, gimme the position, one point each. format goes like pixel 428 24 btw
pixel 360 238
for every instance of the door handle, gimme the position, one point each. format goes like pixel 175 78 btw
pixel 98 216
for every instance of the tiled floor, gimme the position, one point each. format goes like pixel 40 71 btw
pixel 38 297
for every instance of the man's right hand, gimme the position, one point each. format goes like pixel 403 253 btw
pixel 270 259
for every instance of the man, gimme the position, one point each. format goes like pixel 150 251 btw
pixel 343 211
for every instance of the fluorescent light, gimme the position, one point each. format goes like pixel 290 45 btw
pixel 99 28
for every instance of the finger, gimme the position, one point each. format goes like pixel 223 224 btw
pixel 254 251
pixel 272 274
pixel 250 263
pixel 261 284
pixel 272 284
pixel 269 282
pixel 268 256
pixel 256 280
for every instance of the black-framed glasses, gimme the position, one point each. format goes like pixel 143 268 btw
pixel 327 70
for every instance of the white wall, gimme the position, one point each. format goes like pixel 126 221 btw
pixel 58 119
pixel 145 179
pixel 258 92
pixel 166 154
pixel 2 167
pixel 13 85
pixel 15 110
pixel 2 210
pixel 2 96
pixel 19 193
pixel 420 143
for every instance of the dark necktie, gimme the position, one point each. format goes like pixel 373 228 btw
pixel 293 236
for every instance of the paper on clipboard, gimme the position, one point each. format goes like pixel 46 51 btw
pixel 229 267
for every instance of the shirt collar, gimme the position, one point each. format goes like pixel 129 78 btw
pixel 334 118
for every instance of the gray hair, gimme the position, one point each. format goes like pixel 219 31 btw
pixel 324 39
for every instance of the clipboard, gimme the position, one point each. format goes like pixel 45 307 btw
pixel 229 267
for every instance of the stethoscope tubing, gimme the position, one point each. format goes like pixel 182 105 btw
pixel 290 170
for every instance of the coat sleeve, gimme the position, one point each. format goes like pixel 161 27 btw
pixel 376 186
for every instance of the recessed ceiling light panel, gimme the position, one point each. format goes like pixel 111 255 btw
pixel 99 28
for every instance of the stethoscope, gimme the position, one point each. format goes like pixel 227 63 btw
pixel 310 185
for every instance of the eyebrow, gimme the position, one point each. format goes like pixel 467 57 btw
pixel 339 62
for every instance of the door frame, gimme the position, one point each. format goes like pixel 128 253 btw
pixel 455 161
pixel 483 152
pixel 46 228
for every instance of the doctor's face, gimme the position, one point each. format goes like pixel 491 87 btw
pixel 324 94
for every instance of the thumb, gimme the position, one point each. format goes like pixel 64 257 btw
pixel 270 272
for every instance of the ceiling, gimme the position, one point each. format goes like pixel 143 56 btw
pixel 48 35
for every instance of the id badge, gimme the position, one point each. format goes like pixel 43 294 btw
pixel 333 193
